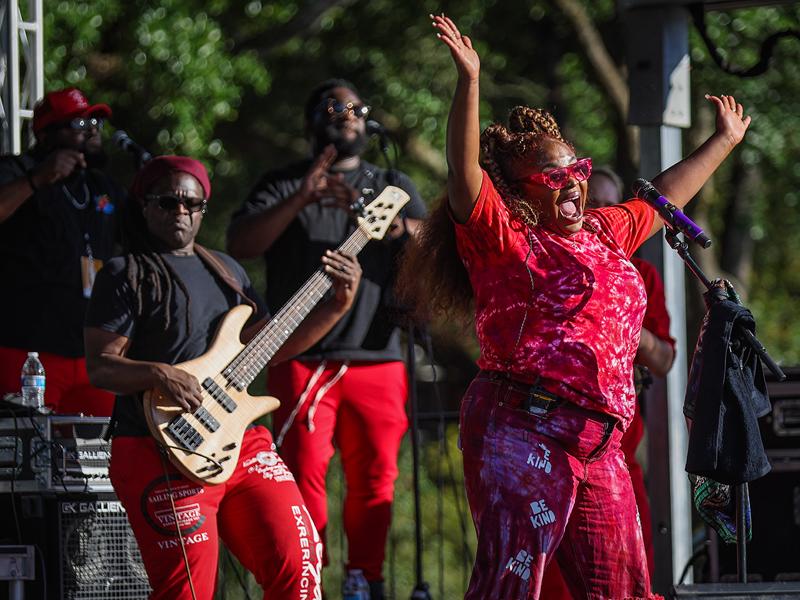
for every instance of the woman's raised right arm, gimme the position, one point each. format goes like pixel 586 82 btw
pixel 463 125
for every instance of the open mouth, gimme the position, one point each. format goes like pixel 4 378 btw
pixel 570 207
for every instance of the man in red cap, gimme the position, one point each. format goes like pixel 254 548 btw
pixel 57 227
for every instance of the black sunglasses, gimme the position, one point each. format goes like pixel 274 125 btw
pixel 170 202
pixel 340 110
pixel 86 123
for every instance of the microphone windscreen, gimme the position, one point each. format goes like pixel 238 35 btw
pixel 640 187
pixel 119 136
pixel 373 127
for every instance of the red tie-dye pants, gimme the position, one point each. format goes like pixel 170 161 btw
pixel 548 482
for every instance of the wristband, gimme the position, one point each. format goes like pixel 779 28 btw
pixel 29 176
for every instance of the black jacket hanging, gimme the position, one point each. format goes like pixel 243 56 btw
pixel 726 395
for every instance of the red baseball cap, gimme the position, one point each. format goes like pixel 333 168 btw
pixel 64 105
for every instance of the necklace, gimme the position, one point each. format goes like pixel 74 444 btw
pixel 73 199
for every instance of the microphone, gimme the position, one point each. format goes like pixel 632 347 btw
pixel 674 217
pixel 374 128
pixel 121 138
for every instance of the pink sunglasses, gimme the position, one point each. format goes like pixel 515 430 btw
pixel 558 179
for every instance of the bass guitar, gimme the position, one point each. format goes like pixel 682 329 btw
pixel 204 444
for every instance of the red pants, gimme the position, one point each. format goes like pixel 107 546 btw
pixel 361 407
pixel 548 485
pixel 67 389
pixel 554 587
pixel 258 513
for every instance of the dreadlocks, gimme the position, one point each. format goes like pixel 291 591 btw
pixel 432 277
pixel 148 274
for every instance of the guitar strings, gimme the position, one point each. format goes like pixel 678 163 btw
pixel 253 358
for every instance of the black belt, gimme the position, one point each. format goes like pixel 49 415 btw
pixel 530 397
pixel 538 401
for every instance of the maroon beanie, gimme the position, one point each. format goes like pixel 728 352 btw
pixel 161 166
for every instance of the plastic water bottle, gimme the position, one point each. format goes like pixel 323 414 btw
pixel 33 382
pixel 355 586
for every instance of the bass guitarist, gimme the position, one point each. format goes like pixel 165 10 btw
pixel 160 305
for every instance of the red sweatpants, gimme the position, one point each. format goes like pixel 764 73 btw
pixel 548 485
pixel 363 412
pixel 67 390
pixel 258 513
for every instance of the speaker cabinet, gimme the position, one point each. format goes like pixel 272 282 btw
pixel 774 552
pixel 738 591
pixel 86 548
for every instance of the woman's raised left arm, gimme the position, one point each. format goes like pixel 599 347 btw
pixel 682 181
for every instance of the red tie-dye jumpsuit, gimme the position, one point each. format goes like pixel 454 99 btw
pixel 548 479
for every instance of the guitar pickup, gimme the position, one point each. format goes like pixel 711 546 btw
pixel 219 395
pixel 184 433
pixel 206 418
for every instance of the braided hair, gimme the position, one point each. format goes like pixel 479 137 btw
pixel 432 278
pixel 527 129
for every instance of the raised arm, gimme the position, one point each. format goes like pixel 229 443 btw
pixel 57 166
pixel 683 180
pixel 463 124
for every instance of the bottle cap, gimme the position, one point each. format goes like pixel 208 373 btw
pixel 33 354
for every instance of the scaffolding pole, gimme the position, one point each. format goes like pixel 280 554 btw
pixel 21 71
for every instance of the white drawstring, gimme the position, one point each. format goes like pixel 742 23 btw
pixel 312 381
pixel 309 386
pixel 321 392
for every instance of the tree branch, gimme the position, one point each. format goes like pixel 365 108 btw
pixel 306 21
pixel 607 72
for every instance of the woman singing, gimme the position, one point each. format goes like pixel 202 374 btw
pixel 558 311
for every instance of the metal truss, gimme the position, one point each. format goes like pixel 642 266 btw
pixel 21 71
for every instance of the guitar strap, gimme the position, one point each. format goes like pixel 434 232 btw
pixel 223 272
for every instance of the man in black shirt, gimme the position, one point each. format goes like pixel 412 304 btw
pixel 157 306
pixel 57 228
pixel 350 387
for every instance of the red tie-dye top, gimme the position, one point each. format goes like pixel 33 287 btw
pixel 572 318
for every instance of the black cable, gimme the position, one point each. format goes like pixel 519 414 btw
pixel 163 456
pixel 695 555
pixel 40 554
pixel 765 54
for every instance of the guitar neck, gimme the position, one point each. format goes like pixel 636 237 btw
pixel 265 344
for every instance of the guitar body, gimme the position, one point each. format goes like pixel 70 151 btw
pixel 223 444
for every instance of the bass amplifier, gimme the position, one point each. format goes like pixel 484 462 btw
pixel 54 453
pixel 87 549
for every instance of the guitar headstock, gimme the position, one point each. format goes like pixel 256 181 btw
pixel 379 213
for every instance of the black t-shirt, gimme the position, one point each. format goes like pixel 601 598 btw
pixel 368 331
pixel 112 308
pixel 42 303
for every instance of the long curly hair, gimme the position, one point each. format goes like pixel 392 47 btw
pixel 432 278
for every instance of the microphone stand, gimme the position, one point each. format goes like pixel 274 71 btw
pixel 682 248
pixel 421 588
pixel 741 491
